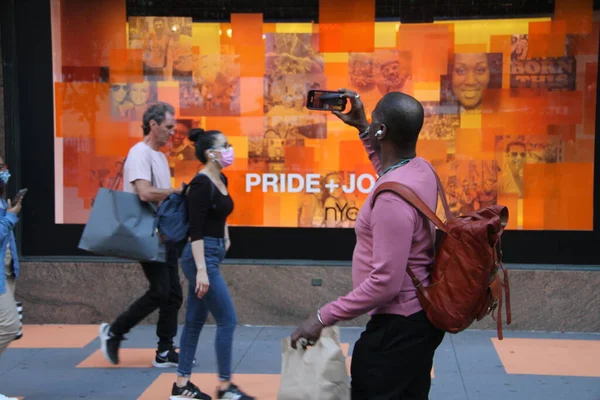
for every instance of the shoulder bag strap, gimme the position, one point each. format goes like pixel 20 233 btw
pixel 118 177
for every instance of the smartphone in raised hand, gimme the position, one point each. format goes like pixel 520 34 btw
pixel 325 100
pixel 19 196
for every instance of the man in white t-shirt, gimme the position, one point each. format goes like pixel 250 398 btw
pixel 146 172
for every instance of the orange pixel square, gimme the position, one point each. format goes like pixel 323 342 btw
pixel 55 337
pixel 346 26
pixel 128 358
pixel 262 386
pixel 549 357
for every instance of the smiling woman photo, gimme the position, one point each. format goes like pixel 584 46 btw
pixel 470 78
pixel 470 75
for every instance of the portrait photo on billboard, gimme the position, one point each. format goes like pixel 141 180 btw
pixel 440 122
pixel 214 89
pixel 515 151
pixel 383 71
pixel 166 43
pixel 470 79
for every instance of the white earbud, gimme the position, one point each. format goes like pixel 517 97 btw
pixel 378 133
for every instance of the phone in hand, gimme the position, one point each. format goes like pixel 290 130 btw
pixel 19 196
pixel 326 100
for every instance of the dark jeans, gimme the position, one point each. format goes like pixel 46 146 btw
pixel 392 360
pixel 217 301
pixel 164 293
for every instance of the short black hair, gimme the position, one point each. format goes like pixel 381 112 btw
pixel 156 112
pixel 403 116
pixel 203 140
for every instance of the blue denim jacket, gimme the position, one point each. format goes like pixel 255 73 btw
pixel 7 224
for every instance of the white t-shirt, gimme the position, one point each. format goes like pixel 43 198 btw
pixel 145 163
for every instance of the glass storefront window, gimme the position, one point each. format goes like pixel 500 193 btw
pixel 510 107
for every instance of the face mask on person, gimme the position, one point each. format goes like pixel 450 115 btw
pixel 226 157
pixel 4 176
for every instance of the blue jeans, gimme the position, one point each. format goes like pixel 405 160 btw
pixel 217 300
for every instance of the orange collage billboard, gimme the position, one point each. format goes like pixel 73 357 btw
pixel 510 109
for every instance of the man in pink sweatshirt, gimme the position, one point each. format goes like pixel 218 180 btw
pixel 394 355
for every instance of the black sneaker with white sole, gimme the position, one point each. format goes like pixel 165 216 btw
pixel 170 360
pixel 189 391
pixel 110 343
pixel 233 393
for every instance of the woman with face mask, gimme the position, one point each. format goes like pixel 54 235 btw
pixel 9 316
pixel 209 205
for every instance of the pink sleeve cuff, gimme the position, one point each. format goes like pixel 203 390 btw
pixel 327 316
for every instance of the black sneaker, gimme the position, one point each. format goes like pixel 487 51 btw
pixel 189 391
pixel 171 360
pixel 233 393
pixel 110 343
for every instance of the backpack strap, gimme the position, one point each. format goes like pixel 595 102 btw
pixel 212 189
pixel 185 188
pixel 506 295
pixel 505 282
pixel 442 194
pixel 499 318
pixel 411 198
pixel 418 284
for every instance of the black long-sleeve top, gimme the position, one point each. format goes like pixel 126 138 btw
pixel 208 208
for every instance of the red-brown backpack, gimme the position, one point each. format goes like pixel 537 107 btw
pixel 465 282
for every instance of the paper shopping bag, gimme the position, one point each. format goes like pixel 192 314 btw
pixel 317 373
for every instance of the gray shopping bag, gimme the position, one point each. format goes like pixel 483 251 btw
pixel 317 373
pixel 121 225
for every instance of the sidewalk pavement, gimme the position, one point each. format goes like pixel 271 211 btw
pixel 63 362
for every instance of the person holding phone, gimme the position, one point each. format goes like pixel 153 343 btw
pixel 209 205
pixel 9 216
pixel 394 355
